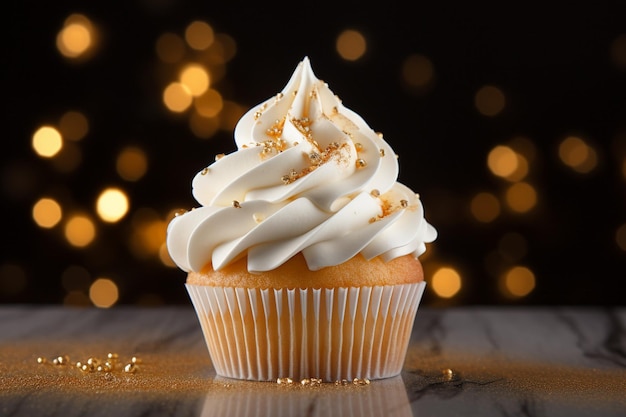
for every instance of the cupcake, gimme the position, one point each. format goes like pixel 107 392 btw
pixel 302 257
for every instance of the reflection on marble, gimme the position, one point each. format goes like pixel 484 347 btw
pixel 461 361
pixel 381 398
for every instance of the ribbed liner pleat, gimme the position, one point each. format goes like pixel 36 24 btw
pixel 333 334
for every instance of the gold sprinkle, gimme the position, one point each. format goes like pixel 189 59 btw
pixel 360 163
pixel 334 152
pixel 375 193
pixel 372 220
pixel 104 368
pixel 279 96
pixel 219 156
pixel 257 114
pixel 448 374
pixel 284 381
pixel 179 212
pixel 303 125
pixel 204 171
pixel 315 381
pixel 305 381
pixel 404 203
pixel 361 381
pixel 93 363
pixel 381 151
pixel 61 360
pixel 236 204
pixel 315 158
pixel 274 131
pixel 358 146
pixel 130 368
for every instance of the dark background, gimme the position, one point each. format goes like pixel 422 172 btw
pixel 554 65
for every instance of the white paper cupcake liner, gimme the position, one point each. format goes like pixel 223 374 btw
pixel 332 334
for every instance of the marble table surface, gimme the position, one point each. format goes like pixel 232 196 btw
pixel 462 361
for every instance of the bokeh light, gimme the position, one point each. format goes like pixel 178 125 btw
pixel 230 115
pixel 489 100
pixel 524 147
pixel 47 141
pixel 577 154
pixel 195 78
pixel 518 281
pixel 223 49
pixel 170 48
pixel 47 212
pixel 418 71
pixel 199 35
pixel 103 292
pixel 446 282
pixel 209 104
pixel 177 97
pixel 112 205
pixel 485 207
pixel 73 125
pixel 80 230
pixel 148 233
pixel 502 161
pixel 351 45
pixel 521 197
pixel 194 86
pixel 203 127
pixel 76 37
pixel 131 163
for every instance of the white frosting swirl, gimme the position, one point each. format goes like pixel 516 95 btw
pixel 309 176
